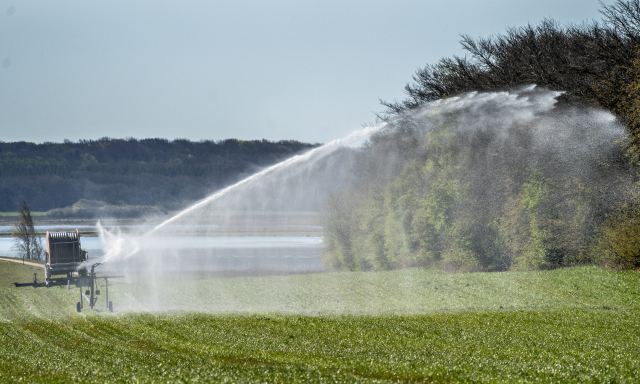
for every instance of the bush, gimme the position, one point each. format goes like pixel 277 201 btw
pixel 618 245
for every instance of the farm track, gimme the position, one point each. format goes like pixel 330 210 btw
pixel 20 261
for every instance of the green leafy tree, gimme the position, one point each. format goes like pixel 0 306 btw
pixel 27 243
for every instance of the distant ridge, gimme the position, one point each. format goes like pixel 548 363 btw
pixel 146 172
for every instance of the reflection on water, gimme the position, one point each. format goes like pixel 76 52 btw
pixel 72 228
pixel 201 254
pixel 198 254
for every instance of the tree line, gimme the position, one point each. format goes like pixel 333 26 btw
pixel 145 172
pixel 441 191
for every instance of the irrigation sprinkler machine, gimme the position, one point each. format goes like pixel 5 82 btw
pixel 65 257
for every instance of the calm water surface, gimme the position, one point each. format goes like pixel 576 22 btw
pixel 209 253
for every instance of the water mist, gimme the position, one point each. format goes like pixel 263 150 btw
pixel 175 264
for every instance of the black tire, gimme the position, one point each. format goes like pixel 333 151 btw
pixel 78 307
pixel 110 306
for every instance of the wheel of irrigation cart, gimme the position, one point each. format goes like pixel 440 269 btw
pixel 110 306
pixel 78 307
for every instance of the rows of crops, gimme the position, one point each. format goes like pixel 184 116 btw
pixel 578 336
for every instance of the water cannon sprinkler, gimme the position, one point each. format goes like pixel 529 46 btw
pixel 91 294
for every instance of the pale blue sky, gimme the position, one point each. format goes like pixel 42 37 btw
pixel 305 70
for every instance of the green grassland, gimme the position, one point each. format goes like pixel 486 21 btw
pixel 570 325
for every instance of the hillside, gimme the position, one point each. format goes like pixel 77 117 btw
pixel 573 325
pixel 400 292
pixel 146 172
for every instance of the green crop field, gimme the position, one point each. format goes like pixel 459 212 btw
pixel 572 325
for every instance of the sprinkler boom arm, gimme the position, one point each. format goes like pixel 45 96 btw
pixel 93 293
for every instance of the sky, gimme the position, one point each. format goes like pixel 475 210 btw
pixel 311 71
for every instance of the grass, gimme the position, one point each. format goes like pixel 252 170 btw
pixel 409 291
pixel 573 325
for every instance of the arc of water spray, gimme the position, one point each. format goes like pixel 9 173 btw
pixel 326 149
pixel 117 251
pixel 329 147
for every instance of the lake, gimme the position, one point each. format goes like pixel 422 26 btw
pixel 202 254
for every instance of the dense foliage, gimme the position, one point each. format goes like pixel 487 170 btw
pixel 145 172
pixel 476 183
pixel 432 194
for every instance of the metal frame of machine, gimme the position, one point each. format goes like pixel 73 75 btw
pixel 65 257
pixel 91 294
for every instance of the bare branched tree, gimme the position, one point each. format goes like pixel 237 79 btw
pixel 578 59
pixel 27 243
